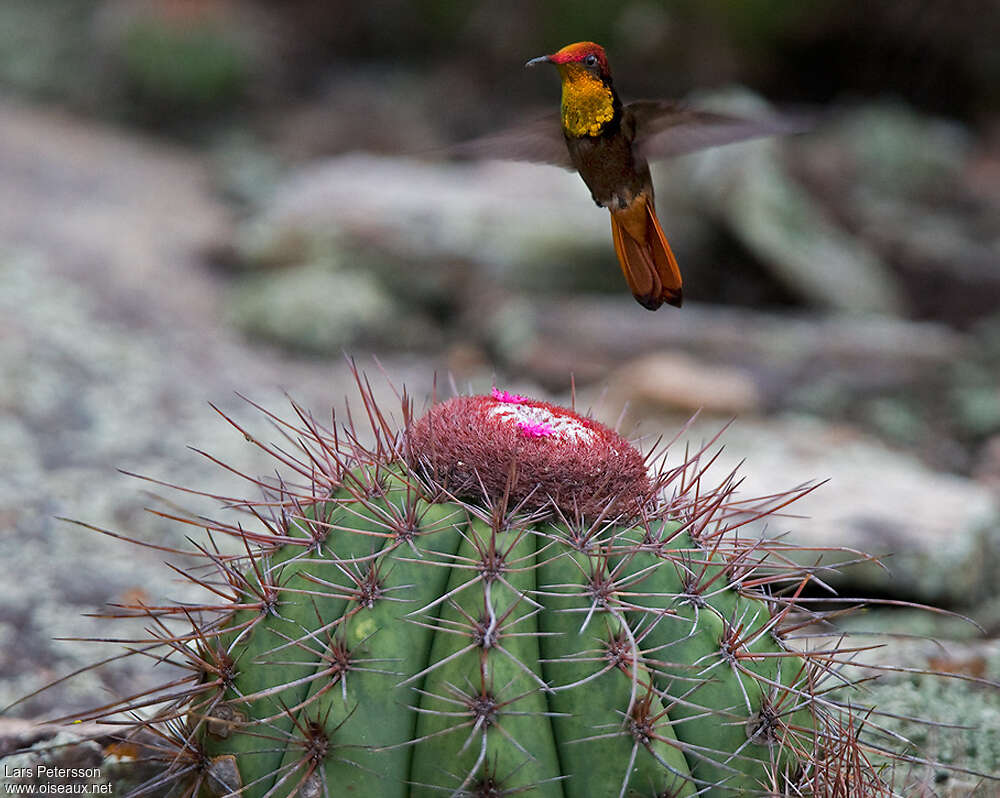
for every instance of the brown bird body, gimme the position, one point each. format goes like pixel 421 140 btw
pixel 610 145
pixel 619 179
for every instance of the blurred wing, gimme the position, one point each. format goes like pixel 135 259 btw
pixel 666 129
pixel 540 141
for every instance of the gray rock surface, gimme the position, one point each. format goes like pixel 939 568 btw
pixel 313 308
pixel 500 215
pixel 786 352
pixel 781 223
pixel 938 534
pixel 922 193
pixel 926 666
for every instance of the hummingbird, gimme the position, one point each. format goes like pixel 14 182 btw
pixel 610 145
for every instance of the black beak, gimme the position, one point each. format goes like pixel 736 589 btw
pixel 542 59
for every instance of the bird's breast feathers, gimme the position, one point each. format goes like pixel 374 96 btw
pixel 610 169
pixel 588 104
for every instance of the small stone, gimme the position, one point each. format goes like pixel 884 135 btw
pixel 678 382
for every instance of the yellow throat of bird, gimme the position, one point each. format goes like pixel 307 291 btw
pixel 587 102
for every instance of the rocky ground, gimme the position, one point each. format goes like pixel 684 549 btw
pixel 132 294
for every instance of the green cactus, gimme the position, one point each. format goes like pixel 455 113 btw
pixel 497 599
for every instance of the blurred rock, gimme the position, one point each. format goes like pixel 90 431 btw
pixel 361 105
pixel 946 256
pixel 926 632
pixel 173 64
pixel 893 149
pixel 447 242
pixel 244 169
pixel 987 469
pixel 785 353
pixel 122 210
pixel 911 185
pixel 940 532
pixel 525 224
pixel 977 408
pixel 42 53
pixel 778 221
pixel 323 310
pixel 677 382
pixel 183 65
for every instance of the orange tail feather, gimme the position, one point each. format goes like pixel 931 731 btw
pixel 649 266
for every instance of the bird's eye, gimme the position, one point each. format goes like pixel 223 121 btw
pixel 590 60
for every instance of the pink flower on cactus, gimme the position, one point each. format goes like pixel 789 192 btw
pixel 508 398
pixel 530 429
pixel 533 451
